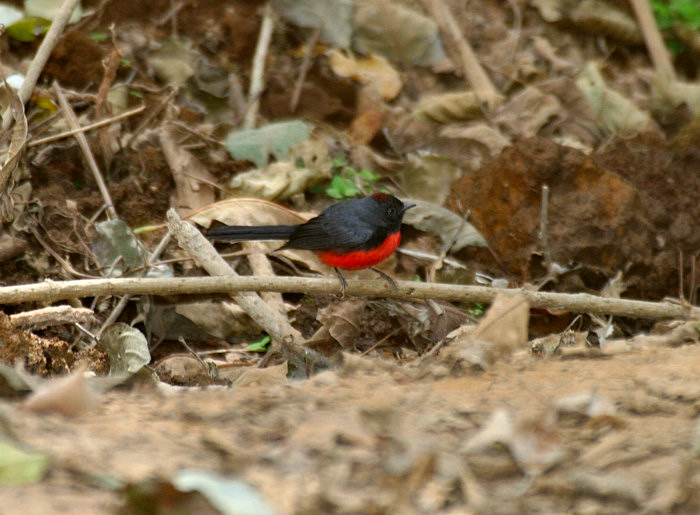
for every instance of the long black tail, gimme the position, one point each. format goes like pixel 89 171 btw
pixel 251 232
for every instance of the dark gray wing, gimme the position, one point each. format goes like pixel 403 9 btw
pixel 338 228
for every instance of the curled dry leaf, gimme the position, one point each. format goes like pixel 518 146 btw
pixel 333 17
pixel 488 136
pixel 219 319
pixel 614 113
pixel 428 177
pixel 398 32
pixel 259 212
pixel 276 374
pixel 532 443
pixel 13 108
pixel 449 226
pixel 449 107
pixel 284 179
pixel 343 321
pixel 374 70
pixel 116 248
pixel 175 61
pixel 127 349
pixel 275 139
pixel 667 95
pixel 589 404
pixel 501 331
pixel 528 111
pixel 193 182
pixel 594 16
pixel 71 396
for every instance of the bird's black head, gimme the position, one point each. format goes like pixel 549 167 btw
pixel 391 210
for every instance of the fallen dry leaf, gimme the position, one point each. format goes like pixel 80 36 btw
pixel 71 396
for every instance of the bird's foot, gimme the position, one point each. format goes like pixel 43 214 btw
pixel 387 278
pixel 343 283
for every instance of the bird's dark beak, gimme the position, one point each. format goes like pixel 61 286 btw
pixel 406 207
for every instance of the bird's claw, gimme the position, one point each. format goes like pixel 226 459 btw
pixel 387 279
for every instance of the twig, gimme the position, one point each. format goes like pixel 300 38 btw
pixel 150 117
pixel 82 141
pixel 53 315
pixel 652 37
pixel 52 291
pixel 86 128
pixel 45 49
pixel 256 76
pixel 67 266
pixel 473 72
pixel 544 216
pixel 304 69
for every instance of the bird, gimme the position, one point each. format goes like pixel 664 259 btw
pixel 349 235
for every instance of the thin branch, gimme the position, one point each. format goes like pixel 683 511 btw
pixel 652 37
pixel 82 141
pixel 51 291
pixel 51 316
pixel 473 71
pixel 304 69
pixel 258 71
pixel 86 128
pixel 45 49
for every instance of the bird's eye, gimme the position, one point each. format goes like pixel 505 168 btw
pixel 391 211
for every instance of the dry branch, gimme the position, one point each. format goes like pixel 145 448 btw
pixel 652 37
pixel 51 291
pixel 473 71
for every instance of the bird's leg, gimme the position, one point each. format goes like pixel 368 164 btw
pixel 387 278
pixel 343 282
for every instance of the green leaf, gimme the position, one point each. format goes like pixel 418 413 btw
pixel 99 36
pixel 256 145
pixel 19 466
pixel 339 162
pixel 28 29
pixel 260 346
pixel 342 188
pixel 369 175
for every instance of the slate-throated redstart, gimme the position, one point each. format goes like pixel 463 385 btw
pixel 353 234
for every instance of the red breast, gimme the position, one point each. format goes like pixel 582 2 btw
pixel 359 259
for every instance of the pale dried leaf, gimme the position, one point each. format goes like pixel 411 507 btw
pixel 12 107
pixel 343 321
pixel 589 404
pixel 193 182
pixel 127 349
pixel 449 107
pixel 428 177
pixel 180 368
pixel 174 61
pixel 528 111
pixel 448 226
pixel 275 139
pixel 373 69
pixel 333 17
pixel 669 94
pixel 219 319
pixel 273 375
pixel 614 113
pixel 486 135
pixel 70 396
pixel 397 32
